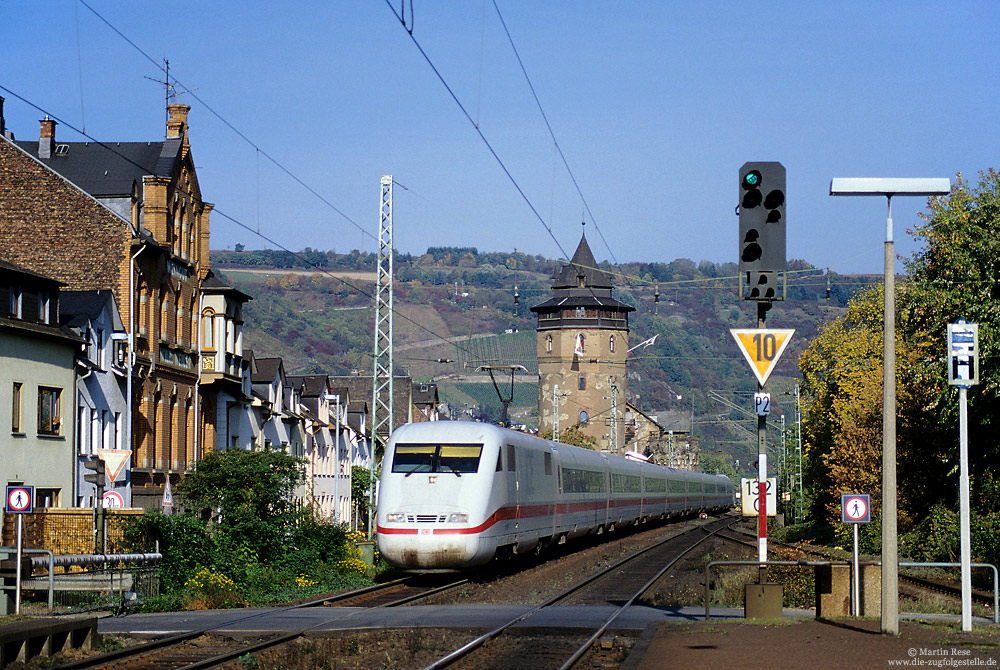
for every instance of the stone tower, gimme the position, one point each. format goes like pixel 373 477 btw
pixel 582 343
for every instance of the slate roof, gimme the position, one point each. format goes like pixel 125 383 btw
pixel 76 307
pixel 310 386
pixel 582 264
pixel 216 284
pixel 109 169
pixel 44 279
pixel 360 389
pixel 267 370
pixel 580 283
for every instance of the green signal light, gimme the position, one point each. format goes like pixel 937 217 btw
pixel 752 178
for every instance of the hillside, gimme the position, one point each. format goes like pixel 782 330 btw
pixel 455 310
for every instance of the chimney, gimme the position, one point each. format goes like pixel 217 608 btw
pixel 177 122
pixel 47 140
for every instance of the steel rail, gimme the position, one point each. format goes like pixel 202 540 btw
pixel 173 640
pixel 496 632
pixel 645 587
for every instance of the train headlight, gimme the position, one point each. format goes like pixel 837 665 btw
pixel 458 517
pixel 395 517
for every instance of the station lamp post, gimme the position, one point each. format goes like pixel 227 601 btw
pixel 889 187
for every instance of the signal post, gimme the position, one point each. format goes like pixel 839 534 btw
pixel 762 280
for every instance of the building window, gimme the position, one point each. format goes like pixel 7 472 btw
pixel 47 497
pixel 581 312
pixel 582 382
pixel 208 329
pixel 548 344
pixel 100 349
pixel 49 410
pixel 44 303
pixel 81 428
pixel 15 302
pixel 611 344
pixel 584 417
pixel 164 311
pixel 15 409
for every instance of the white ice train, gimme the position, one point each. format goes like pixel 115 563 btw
pixel 454 494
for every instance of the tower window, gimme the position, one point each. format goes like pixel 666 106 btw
pixel 548 344
pixel 581 312
pixel 584 418
pixel 611 344
pixel 582 382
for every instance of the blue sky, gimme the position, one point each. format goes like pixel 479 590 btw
pixel 655 106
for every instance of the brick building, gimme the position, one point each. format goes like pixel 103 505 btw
pixel 126 217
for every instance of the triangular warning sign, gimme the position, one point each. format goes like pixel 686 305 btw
pixel 762 348
pixel 114 461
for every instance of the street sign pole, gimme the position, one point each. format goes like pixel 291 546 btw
pixel 856 581
pixel 855 508
pixel 963 372
pixel 963 503
pixel 17 580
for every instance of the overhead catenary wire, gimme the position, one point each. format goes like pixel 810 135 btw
pixel 552 134
pixel 229 125
pixel 221 213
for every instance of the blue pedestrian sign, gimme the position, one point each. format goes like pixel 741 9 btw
pixel 19 499
pixel 855 508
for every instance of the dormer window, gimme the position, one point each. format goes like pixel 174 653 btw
pixel 44 304
pixel 15 301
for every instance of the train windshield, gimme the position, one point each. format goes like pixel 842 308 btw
pixel 457 458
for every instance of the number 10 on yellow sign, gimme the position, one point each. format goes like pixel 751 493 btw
pixel 762 348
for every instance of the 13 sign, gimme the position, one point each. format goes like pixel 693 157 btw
pixel 750 497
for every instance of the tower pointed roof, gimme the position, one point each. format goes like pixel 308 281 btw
pixel 582 271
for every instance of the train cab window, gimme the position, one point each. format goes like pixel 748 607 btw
pixel 548 463
pixel 511 462
pixel 457 458
pixel 499 461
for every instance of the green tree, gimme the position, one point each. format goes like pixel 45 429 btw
pixel 956 275
pixel 248 495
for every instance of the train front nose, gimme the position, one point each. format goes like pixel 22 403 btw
pixel 425 549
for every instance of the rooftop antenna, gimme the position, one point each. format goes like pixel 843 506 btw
pixel 168 91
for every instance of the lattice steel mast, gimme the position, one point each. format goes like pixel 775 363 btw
pixel 382 389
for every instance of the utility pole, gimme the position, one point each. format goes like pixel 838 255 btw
pixel 382 387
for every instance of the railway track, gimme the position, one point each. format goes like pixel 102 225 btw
pixel 620 584
pixel 202 649
pixel 909 585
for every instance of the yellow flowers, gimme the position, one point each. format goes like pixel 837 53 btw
pixel 353 565
pixel 303 581
pixel 211 590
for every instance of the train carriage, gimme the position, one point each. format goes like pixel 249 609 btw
pixel 455 494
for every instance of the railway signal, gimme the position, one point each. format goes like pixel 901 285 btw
pixel 762 231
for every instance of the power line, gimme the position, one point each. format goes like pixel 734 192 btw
pixel 409 31
pixel 237 222
pixel 229 125
pixel 552 133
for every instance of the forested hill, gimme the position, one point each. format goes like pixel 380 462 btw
pixel 456 307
